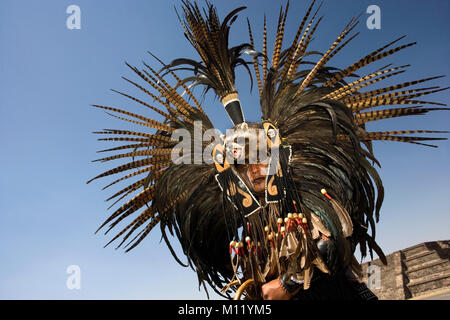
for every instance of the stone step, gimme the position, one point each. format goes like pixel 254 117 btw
pixel 431 267
pixel 438 294
pixel 411 251
pixel 438 245
pixel 428 283
pixel 444 244
pixel 428 264
pixel 420 258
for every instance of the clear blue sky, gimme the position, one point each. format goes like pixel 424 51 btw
pixel 50 75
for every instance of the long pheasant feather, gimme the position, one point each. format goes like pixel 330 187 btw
pixel 361 63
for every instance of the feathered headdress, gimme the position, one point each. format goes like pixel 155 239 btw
pixel 321 179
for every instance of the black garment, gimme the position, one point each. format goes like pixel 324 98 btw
pixel 337 287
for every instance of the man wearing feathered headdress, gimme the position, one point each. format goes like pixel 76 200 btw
pixel 282 206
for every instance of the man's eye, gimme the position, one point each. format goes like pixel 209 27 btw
pixel 264 160
pixel 242 167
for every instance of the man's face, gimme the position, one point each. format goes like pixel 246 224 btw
pixel 254 176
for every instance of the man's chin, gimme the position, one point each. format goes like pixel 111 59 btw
pixel 259 189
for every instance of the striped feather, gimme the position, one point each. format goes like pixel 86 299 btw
pixel 363 62
pixel 325 57
pixel 165 115
pixel 368 116
pixel 132 165
pixel 404 139
pixel 375 102
pixel 136 223
pixel 153 124
pixel 279 37
pixel 154 169
pixel 156 142
pixel 180 82
pixel 132 133
pixel 172 96
pixel 154 83
pixel 302 46
pixel 255 61
pixel 339 93
pixel 171 91
pixel 129 146
pixel 376 92
pixel 155 221
pixel 147 230
pixel 148 122
pixel 395 132
pixel 167 105
pixel 141 153
pixel 368 83
pixel 265 57
pixel 292 49
pixel 134 203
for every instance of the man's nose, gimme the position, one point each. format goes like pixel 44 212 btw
pixel 253 169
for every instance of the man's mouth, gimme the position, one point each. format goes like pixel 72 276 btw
pixel 258 180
